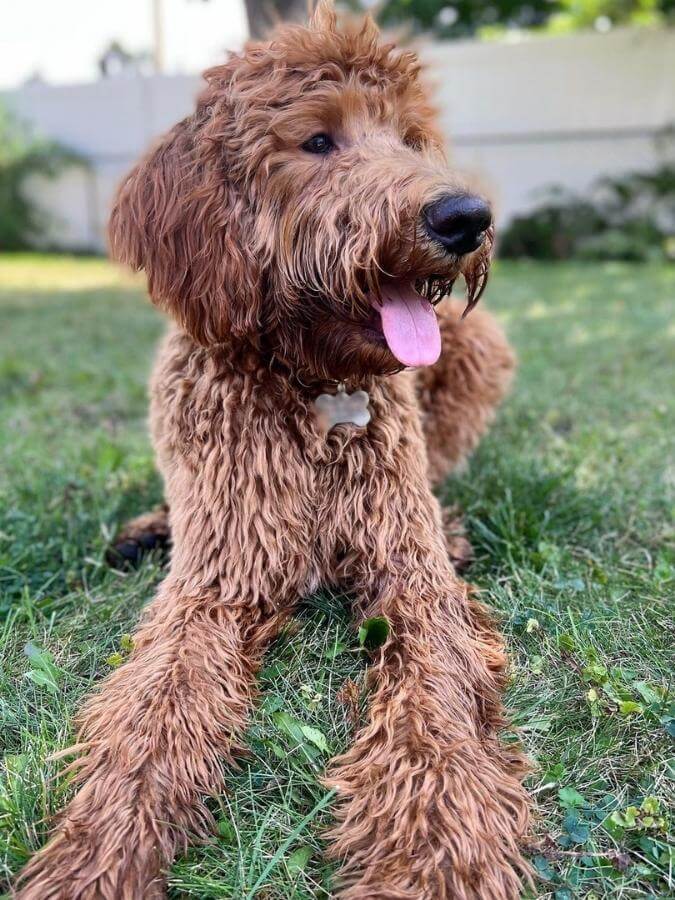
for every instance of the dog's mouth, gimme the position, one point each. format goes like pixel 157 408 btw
pixel 395 313
pixel 405 320
pixel 403 317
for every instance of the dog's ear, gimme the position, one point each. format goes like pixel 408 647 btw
pixel 177 217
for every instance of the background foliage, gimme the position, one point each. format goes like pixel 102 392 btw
pixel 631 217
pixel 22 156
pixel 463 18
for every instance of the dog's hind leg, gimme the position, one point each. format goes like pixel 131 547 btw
pixel 459 395
pixel 458 545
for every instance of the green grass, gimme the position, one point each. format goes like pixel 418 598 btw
pixel 570 504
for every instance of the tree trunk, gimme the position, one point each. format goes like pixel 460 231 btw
pixel 263 15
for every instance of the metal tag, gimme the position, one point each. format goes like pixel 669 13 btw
pixel 343 408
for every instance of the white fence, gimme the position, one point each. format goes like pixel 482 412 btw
pixel 518 116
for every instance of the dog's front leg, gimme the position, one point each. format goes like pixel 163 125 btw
pixel 151 747
pixel 432 807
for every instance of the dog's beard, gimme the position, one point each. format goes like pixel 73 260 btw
pixel 375 319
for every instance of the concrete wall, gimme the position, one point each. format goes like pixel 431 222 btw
pixel 558 110
pixel 110 122
pixel 518 116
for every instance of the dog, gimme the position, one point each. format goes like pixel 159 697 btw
pixel 301 228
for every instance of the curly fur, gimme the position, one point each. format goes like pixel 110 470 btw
pixel 265 257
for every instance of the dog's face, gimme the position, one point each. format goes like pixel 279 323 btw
pixel 306 207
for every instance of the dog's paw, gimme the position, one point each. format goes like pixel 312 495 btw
pixel 140 536
pixel 129 552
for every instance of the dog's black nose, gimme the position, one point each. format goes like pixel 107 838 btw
pixel 458 221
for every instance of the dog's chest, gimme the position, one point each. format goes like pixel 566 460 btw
pixel 352 460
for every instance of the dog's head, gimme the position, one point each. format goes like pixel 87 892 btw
pixel 306 206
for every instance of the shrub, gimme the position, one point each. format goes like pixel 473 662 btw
pixel 631 217
pixel 22 155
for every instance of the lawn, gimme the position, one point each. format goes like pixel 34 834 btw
pixel 570 505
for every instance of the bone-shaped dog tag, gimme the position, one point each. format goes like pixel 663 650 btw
pixel 342 408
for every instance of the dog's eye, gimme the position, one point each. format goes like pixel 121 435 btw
pixel 320 143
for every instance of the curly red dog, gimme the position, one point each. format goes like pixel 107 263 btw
pixel 300 227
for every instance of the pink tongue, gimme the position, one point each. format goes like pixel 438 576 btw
pixel 409 324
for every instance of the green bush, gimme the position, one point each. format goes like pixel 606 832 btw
pixel 631 217
pixel 22 155
pixel 491 18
